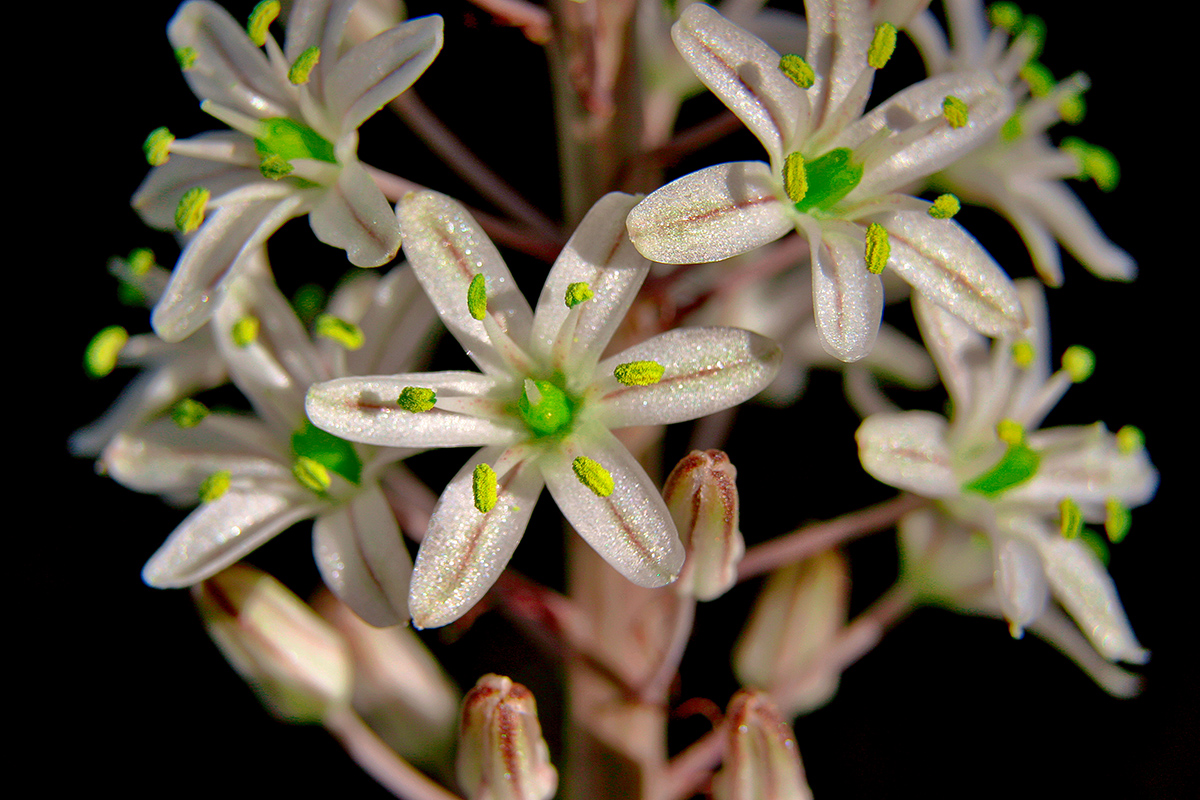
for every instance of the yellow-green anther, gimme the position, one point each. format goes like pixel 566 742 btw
pixel 883 44
pixel 593 476
pixel 1006 16
pixel 1117 519
pixel 477 296
pixel 1010 131
pixel 878 248
pixel 1070 518
pixel 798 70
pixel 185 57
pixel 312 474
pixel 1079 362
pixel 483 487
pixel 244 331
pixel 955 111
pixel 1023 354
pixel 578 293
pixel 1072 109
pixel 140 261
pixel 157 146
pixel 795 177
pixel 302 67
pixel 945 207
pixel 1130 439
pixel 189 214
pixel 1034 28
pixel 417 399
pixel 188 413
pixel 1010 431
pixel 215 485
pixel 639 373
pixel 260 19
pixel 100 357
pixel 347 334
pixel 1095 162
pixel 1038 77
pixel 275 167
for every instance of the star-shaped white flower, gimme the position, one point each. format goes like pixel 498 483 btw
pixel 257 475
pixel 295 114
pixel 544 404
pixel 834 173
pixel 1030 491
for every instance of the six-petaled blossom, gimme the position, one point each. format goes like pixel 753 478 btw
pixel 834 174
pixel 543 407
pixel 256 475
pixel 1030 491
pixel 295 114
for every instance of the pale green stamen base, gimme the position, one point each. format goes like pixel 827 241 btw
pixel 593 476
pixel 483 488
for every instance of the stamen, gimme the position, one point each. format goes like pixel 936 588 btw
pixel 1033 30
pixel 1072 109
pixel 157 146
pixel 188 413
pixel 1117 519
pixel 100 356
pixel 798 70
pixel 639 373
pixel 477 296
pixel 795 177
pixel 329 452
pixel 275 167
pixel 260 19
pixel 878 248
pixel 945 207
pixel 1006 16
pixel 483 487
pixel 1130 439
pixel 347 334
pixel 830 177
pixel 1023 354
pixel 1038 77
pixel 883 44
pixel 955 111
pixel 593 476
pixel 1070 518
pixel 215 485
pixel 578 293
pixel 1095 162
pixel 141 260
pixel 185 57
pixel 245 331
pixel 417 399
pixel 1010 431
pixel 189 214
pixel 312 474
pixel 302 67
pixel 284 137
pixel 1079 362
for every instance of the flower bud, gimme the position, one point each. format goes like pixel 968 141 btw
pixel 297 664
pixel 800 610
pixel 703 500
pixel 762 761
pixel 501 752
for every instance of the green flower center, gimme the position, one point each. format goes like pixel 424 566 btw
pixel 549 412
pixel 1019 464
pixel 289 139
pixel 336 455
pixel 829 178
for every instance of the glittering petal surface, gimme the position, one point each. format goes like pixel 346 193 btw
pixel 465 550
pixel 847 297
pixel 839 34
pixel 362 557
pixel 958 350
pixel 1089 470
pixel 710 215
pixel 233 164
pixel 706 370
pixel 366 410
pixel 908 451
pixel 355 216
pixel 630 528
pixel 1020 580
pixel 397 326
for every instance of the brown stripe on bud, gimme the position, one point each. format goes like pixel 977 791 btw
pixel 762 761
pixel 501 752
pixel 702 497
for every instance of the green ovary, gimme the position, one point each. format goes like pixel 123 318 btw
pixel 336 455
pixel 289 139
pixel 1019 464
pixel 830 178
pixel 551 415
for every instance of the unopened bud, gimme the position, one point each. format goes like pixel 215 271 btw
pixel 801 609
pixel 703 500
pixel 762 761
pixel 296 663
pixel 501 752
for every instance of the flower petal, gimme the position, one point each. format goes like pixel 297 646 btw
pixel 1072 225
pixel 908 451
pixel 398 327
pixel 839 35
pixel 465 550
pixel 705 370
pixel 355 216
pixel 362 557
pixel 710 215
pixel 630 528
pixel 233 164
pixel 1020 581
pixel 847 297
pixel 1089 470
pixel 317 23
pixel 958 350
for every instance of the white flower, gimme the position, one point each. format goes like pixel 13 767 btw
pixel 834 174
pixel 292 151
pixel 1020 173
pixel 1029 490
pixel 544 404
pixel 258 475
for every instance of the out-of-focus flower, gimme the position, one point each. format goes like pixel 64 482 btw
pixel 297 664
pixel 702 496
pixel 834 174
pixel 1030 491
pixel 258 475
pixel 762 761
pixel 545 404
pixel 1020 174
pixel 295 114
pixel 501 752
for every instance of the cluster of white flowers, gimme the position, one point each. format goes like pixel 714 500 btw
pixel 335 403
